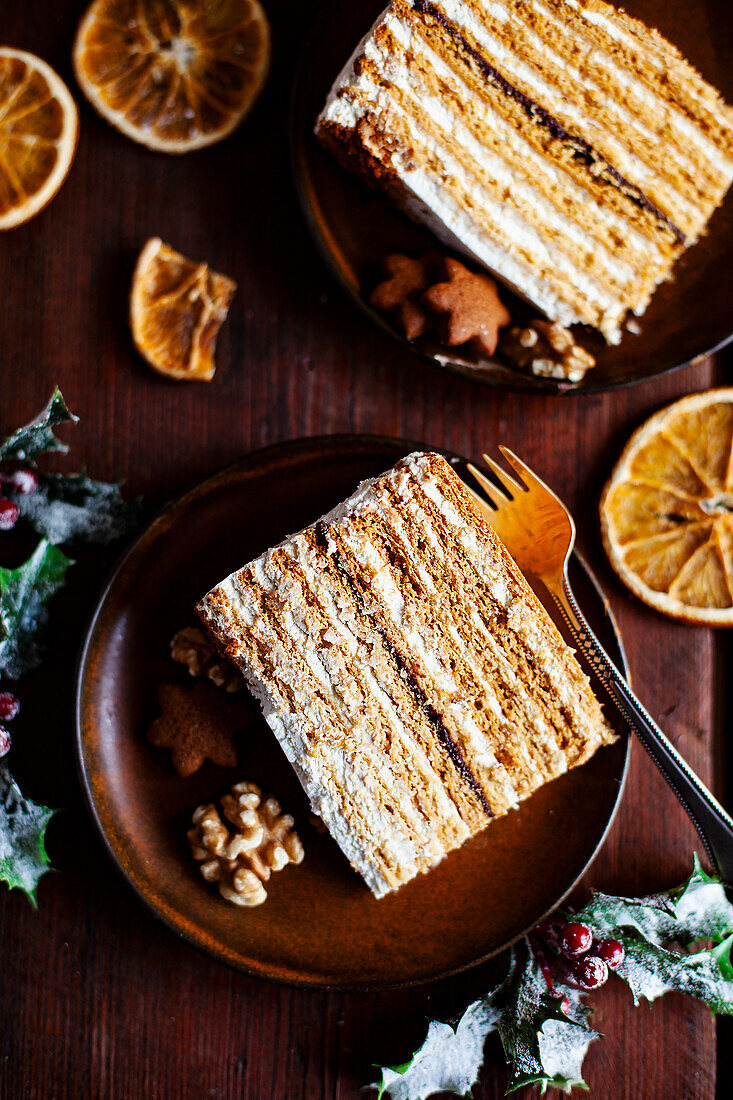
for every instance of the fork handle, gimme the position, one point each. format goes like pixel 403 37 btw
pixel 714 825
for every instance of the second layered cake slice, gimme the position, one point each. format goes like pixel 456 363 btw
pixel 414 681
pixel 561 143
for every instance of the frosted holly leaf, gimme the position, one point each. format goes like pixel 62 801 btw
pixel 652 931
pixel 544 1044
pixel 38 436
pixel 448 1061
pixel 702 908
pixel 450 1058
pixel 563 1048
pixel 651 971
pixel 60 507
pixel 75 508
pixel 696 910
pixel 23 858
pixel 24 593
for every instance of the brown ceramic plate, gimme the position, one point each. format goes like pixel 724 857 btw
pixel 353 226
pixel 320 926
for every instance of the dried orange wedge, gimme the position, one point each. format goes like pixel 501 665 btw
pixel 667 510
pixel 174 75
pixel 176 310
pixel 39 126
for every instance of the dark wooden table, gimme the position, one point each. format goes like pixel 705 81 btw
pixel 98 998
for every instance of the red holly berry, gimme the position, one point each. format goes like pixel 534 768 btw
pixel 4 740
pixel 549 929
pixel 590 972
pixel 576 939
pixel 24 481
pixel 611 951
pixel 9 706
pixel 8 514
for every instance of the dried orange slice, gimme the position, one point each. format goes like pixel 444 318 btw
pixel 176 310
pixel 174 75
pixel 39 126
pixel 667 510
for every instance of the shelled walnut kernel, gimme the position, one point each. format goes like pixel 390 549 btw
pixel 241 860
pixel 547 349
pixel 191 647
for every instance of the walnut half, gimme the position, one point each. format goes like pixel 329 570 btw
pixel 547 349
pixel 191 647
pixel 242 858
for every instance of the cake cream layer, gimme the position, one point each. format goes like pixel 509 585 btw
pixel 413 680
pixel 563 145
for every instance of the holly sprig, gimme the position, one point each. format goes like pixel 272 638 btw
pixel 61 508
pixel 23 858
pixel 24 594
pixel 676 940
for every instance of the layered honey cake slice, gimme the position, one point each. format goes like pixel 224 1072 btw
pixel 414 681
pixel 561 143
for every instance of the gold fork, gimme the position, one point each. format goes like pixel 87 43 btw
pixel 539 533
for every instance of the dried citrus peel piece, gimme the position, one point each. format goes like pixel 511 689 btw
pixel 177 307
pixel 667 510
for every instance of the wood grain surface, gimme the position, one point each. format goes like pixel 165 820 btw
pixel 99 999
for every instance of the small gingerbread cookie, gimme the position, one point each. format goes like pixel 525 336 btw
pixel 400 292
pixel 197 725
pixel 468 307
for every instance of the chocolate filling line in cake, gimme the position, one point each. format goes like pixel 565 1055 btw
pixel 582 150
pixel 443 734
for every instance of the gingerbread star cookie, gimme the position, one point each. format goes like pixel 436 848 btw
pixel 399 293
pixel 469 308
pixel 197 725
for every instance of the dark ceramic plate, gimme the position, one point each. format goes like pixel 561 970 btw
pixel 320 926
pixel 353 226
